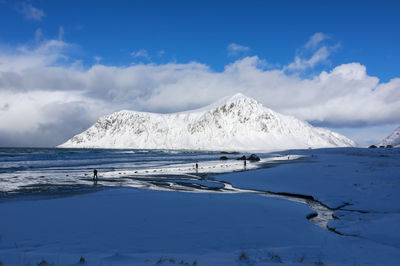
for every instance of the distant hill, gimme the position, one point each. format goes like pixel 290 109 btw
pixel 393 139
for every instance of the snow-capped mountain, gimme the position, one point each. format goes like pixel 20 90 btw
pixel 393 139
pixel 233 123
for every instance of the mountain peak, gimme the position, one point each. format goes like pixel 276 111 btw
pixel 238 96
pixel 236 122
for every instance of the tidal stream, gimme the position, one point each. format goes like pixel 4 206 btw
pixel 201 183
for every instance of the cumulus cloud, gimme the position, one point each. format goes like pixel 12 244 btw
pixel 235 49
pixel 30 12
pixel 44 99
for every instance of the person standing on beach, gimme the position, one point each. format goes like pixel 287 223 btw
pixel 94 174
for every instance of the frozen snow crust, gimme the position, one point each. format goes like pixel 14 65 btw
pixel 233 123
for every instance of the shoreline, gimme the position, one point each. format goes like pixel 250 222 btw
pixel 121 178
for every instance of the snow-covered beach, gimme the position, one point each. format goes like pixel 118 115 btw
pixel 199 132
pixel 135 224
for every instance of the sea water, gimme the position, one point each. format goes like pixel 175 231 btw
pixel 26 170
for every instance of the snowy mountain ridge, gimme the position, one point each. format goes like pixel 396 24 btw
pixel 233 123
pixel 393 139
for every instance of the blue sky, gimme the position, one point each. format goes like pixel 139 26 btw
pixel 367 31
pixel 203 38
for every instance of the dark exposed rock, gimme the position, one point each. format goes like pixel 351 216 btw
pixel 372 147
pixel 312 215
pixel 223 158
pixel 82 260
pixel 253 157
pixel 229 152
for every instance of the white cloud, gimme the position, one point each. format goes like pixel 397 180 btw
pixel 142 53
pixel 41 54
pixel 160 53
pixel 311 54
pixel 38 35
pixel 61 33
pixel 63 100
pixel 31 12
pixel 235 49
pixel 301 64
pixel 97 59
pixel 315 40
